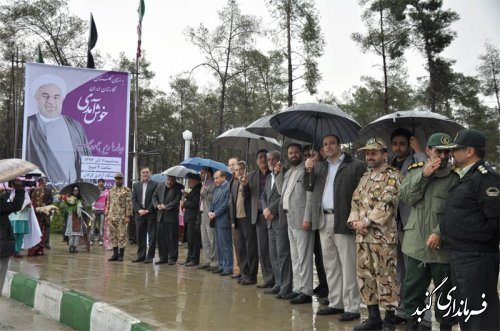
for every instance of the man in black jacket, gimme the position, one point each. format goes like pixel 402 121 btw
pixel 332 183
pixel 470 232
pixel 7 241
pixel 145 216
pixel 191 214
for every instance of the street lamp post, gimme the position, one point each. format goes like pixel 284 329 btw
pixel 188 136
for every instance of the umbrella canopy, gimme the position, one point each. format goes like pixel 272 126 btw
pixel 89 192
pixel 421 123
pixel 178 171
pixel 160 178
pixel 263 127
pixel 196 163
pixel 242 140
pixel 312 121
pixel 12 168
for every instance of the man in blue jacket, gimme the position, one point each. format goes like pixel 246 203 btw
pixel 219 213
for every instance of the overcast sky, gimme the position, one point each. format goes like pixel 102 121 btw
pixel 342 64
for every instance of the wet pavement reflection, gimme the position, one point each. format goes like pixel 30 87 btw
pixel 173 297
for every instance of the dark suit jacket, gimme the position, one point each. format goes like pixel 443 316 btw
pixel 348 175
pixel 192 205
pixel 7 241
pixel 171 198
pixel 271 199
pixel 254 189
pixel 148 200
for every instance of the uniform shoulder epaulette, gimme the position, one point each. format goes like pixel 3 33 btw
pixel 416 165
pixel 482 170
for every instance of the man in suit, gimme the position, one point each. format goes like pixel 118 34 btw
pixel 219 213
pixel 300 231
pixel 191 213
pixel 279 244
pixel 48 199
pixel 207 232
pixel 242 211
pixel 332 183
pixel 239 252
pixel 256 184
pixel 145 216
pixel 166 200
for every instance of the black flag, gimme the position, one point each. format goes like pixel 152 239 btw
pixel 92 42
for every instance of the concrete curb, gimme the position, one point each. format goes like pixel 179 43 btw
pixel 72 308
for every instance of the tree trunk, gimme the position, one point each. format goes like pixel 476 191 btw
pixel 384 61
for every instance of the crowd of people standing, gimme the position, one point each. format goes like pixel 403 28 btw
pixel 378 232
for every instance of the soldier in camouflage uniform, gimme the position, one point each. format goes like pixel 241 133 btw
pixel 118 212
pixel 373 211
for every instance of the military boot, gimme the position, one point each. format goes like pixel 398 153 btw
pixel 122 251
pixel 115 255
pixel 374 322
pixel 389 321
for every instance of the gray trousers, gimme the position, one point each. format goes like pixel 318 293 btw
pixel 274 233
pixel 263 248
pixel 208 241
pixel 301 251
pixel 4 266
pixel 284 259
pixel 339 257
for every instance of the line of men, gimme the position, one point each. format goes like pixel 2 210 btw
pixel 385 230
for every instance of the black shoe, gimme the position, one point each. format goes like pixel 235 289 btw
pixel 323 301
pixel 211 269
pixel 171 262
pixel 248 281
pixel 300 299
pixel 236 276
pixel 374 322
pixel 330 311
pixel 265 285
pixel 148 261
pixel 347 317
pixel 161 262
pixel 217 271
pixel 225 273
pixel 389 321
pixel 445 327
pixel 120 255
pixel 115 256
pixel 411 325
pixel 273 290
pixel 290 296
pixel 320 292
pixel 138 260
pixel 204 266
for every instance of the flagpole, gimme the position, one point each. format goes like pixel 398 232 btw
pixel 136 99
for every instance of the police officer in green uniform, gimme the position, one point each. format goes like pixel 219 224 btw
pixel 424 190
pixel 470 232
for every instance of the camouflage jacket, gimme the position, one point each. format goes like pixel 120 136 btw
pixel 119 204
pixel 375 201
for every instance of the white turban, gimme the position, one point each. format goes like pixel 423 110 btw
pixel 49 79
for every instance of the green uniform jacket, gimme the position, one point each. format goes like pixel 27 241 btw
pixel 426 197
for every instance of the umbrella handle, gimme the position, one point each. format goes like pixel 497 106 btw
pixel 314 140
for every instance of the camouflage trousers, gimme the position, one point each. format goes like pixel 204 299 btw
pixel 376 271
pixel 118 234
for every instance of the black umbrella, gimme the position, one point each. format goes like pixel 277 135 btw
pixel 312 121
pixel 421 123
pixel 88 191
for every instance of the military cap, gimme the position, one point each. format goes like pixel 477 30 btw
pixel 374 144
pixel 118 175
pixel 439 140
pixel 193 176
pixel 468 138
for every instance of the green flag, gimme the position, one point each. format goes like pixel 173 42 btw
pixel 39 56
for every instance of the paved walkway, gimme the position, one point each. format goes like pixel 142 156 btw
pixel 15 315
pixel 172 297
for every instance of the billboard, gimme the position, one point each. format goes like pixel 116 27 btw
pixel 76 123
